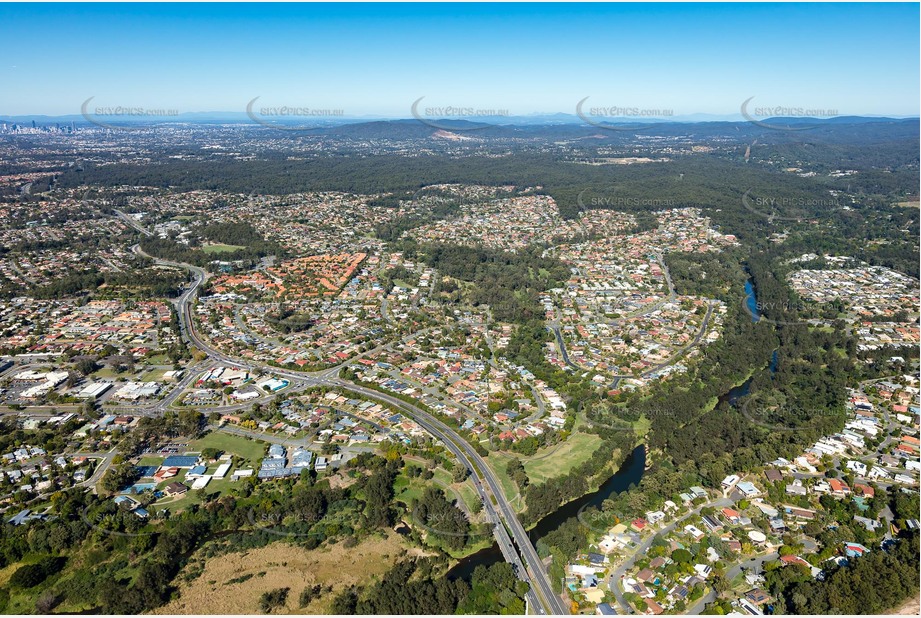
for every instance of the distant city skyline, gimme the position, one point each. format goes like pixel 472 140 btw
pixel 368 60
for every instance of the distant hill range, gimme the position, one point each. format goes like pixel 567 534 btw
pixel 548 126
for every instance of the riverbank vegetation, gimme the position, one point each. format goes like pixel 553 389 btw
pixel 698 434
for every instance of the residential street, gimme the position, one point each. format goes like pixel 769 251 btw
pixel 615 583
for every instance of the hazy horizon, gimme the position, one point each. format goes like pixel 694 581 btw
pixel 568 116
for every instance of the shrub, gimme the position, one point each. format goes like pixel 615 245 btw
pixel 272 599
pixel 309 594
pixel 31 575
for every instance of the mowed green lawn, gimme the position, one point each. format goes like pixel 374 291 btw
pixel 221 248
pixel 468 493
pixel 408 489
pixel 176 504
pixel 108 372
pixel 546 464
pixel 158 359
pixel 251 450
pixel 499 464
pixel 560 459
pixel 154 375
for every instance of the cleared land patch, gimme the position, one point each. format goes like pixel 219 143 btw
pixel 250 450
pixel 548 463
pixel 221 248
pixel 225 588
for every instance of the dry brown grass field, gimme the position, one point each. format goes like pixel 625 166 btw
pixel 282 565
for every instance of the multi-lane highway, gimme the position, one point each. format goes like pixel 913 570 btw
pixel 482 473
pixel 510 534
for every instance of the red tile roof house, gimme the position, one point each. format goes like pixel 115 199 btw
pixel 757 596
pixel 801 513
pixel 653 607
pixel 731 515
pixel 794 560
pixel 839 488
pixel 165 473
pixel 639 524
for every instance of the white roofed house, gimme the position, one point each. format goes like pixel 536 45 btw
pixel 241 474
pixel 857 467
pixel 748 488
pixel 654 517
pixel 221 471
pixel 277 450
pixel 878 473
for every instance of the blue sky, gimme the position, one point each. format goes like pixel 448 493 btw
pixel 368 59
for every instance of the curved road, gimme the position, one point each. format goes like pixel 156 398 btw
pixel 754 564
pixel 529 566
pixel 555 329
pixel 615 580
